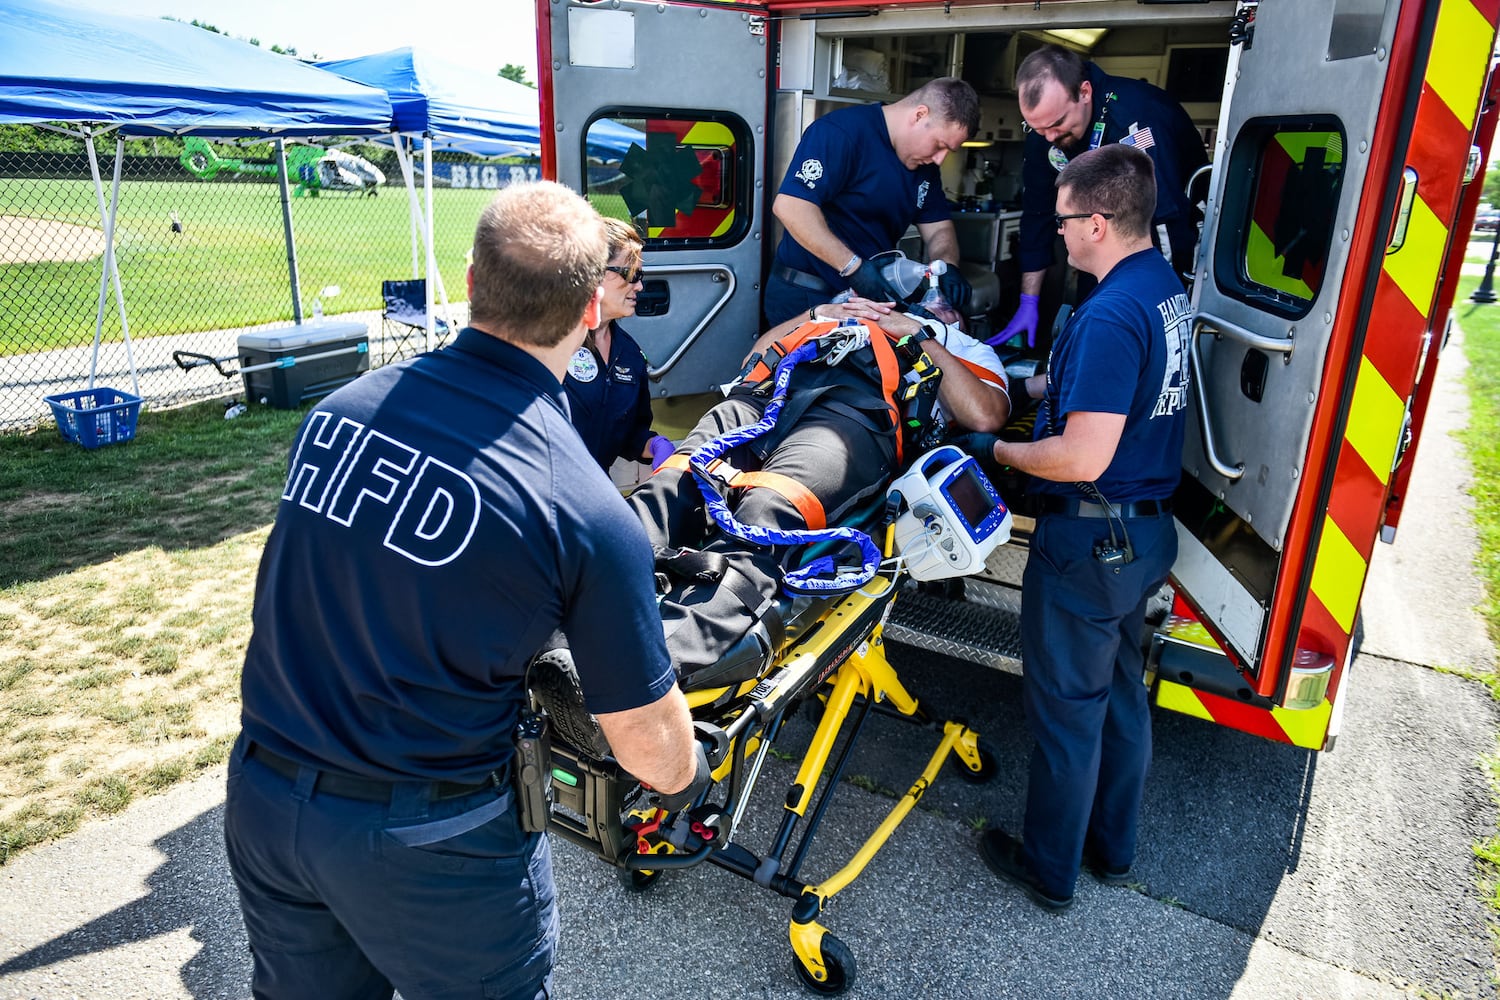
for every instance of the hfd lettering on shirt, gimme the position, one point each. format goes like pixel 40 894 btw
pixel 1176 326
pixel 428 508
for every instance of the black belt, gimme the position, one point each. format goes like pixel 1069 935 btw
pixel 801 279
pixel 348 786
pixel 1073 507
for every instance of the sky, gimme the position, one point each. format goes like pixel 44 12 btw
pixel 482 35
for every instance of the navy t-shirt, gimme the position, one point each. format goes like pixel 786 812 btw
pixel 1125 351
pixel 1133 111
pixel 440 520
pixel 845 164
pixel 610 399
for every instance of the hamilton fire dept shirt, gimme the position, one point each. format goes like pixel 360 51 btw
pixel 441 518
pixel 1125 351
pixel 846 165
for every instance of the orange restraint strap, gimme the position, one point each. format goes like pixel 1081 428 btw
pixel 800 497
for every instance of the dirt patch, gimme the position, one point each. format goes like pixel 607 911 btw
pixel 34 241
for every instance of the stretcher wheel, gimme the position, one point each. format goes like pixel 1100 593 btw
pixel 988 766
pixel 638 881
pixel 838 960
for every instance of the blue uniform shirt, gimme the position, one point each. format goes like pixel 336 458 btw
pixel 1125 351
pixel 610 400
pixel 846 165
pixel 441 519
pixel 1129 110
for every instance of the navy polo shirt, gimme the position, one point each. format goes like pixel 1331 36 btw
pixel 440 520
pixel 610 399
pixel 1153 121
pixel 1125 351
pixel 846 165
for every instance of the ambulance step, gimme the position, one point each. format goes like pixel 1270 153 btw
pixel 983 627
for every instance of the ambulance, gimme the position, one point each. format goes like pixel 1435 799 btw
pixel 1345 140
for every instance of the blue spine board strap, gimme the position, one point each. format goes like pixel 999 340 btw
pixel 800 581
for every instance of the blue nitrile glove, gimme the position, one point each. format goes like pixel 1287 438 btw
pixel 955 288
pixel 660 449
pixel 1024 319
pixel 980 444
pixel 871 284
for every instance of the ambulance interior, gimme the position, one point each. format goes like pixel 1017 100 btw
pixel 829 63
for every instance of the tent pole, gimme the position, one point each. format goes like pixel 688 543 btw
pixel 109 250
pixel 411 200
pixel 286 230
pixel 114 263
pixel 430 285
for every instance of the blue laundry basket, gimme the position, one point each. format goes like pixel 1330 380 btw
pixel 95 417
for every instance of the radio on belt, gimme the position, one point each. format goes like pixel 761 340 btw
pixel 951 517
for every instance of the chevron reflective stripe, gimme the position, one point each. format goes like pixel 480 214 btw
pixel 1404 301
pixel 1303 729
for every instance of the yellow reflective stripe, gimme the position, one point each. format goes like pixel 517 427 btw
pixel 1338 575
pixel 1414 268
pixel 708 134
pixel 1460 44
pixel 723 226
pixel 1308 728
pixel 1181 699
pixel 1189 630
pixel 1375 417
pixel 1266 267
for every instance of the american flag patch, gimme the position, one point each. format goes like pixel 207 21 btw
pixel 1142 139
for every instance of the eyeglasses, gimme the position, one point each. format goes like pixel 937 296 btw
pixel 1058 220
pixel 630 277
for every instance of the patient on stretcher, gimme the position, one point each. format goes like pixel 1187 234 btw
pixel 866 399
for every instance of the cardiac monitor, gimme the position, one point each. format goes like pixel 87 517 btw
pixel 950 517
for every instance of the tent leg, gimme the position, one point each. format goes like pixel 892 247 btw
pixel 286 230
pixel 114 265
pixel 109 248
pixel 413 212
pixel 431 283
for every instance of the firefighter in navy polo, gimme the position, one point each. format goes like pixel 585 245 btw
pixel 859 178
pixel 440 520
pixel 1106 458
pixel 609 392
pixel 1070 106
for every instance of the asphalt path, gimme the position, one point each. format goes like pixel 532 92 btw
pixel 1264 872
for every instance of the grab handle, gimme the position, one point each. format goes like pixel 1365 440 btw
pixel 1223 328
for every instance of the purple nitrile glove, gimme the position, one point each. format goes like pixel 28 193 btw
pixel 1024 319
pixel 660 449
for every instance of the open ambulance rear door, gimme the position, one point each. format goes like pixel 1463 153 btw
pixel 656 112
pixel 1335 204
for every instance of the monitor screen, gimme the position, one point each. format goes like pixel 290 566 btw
pixel 969 495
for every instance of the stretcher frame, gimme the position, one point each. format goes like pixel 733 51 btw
pixel 840 660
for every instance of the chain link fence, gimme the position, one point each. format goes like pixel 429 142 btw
pixel 202 256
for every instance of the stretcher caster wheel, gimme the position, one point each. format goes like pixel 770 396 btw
pixel 640 881
pixel 987 765
pixel 838 964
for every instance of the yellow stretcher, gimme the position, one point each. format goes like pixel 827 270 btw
pixel 834 651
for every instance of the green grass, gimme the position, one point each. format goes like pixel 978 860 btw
pixel 227 267
pixel 63 507
pixel 1481 331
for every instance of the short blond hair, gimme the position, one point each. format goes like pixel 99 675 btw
pixel 539 257
pixel 622 236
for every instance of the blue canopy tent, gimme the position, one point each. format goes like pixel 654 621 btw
pixel 452 107
pixel 93 72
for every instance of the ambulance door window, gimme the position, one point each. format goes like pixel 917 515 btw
pixel 1283 215
pixel 683 180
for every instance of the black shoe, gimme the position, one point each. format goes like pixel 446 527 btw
pixel 1109 875
pixel 1002 854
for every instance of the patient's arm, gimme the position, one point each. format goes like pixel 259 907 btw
pixel 970 401
pixel 654 742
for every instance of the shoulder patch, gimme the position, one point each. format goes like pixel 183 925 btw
pixel 582 366
pixel 1057 158
pixel 809 172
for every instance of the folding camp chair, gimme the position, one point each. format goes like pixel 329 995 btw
pixel 403 320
